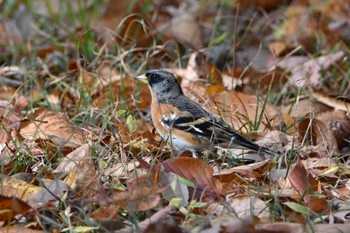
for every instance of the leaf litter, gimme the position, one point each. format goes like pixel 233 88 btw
pixel 78 150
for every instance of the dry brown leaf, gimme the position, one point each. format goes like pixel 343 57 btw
pixel 142 194
pixel 301 26
pixel 134 31
pixel 246 205
pixel 246 225
pixel 113 13
pixel 280 185
pixel 318 205
pixel 165 224
pixel 196 171
pixel 303 107
pixel 282 227
pixel 51 125
pixel 121 170
pixel 123 91
pixel 10 119
pixel 242 205
pixel 319 228
pixel 74 159
pixel 106 212
pixel 315 132
pixel 319 163
pixel 17 229
pixel 175 188
pixel 214 89
pixel 299 179
pixel 239 110
pixel 146 225
pixel 254 170
pixel 288 227
pixel 12 206
pixel 338 10
pixel 266 5
pixel 36 196
pixel 335 103
pixel 278 48
pixel 51 189
pixel 190 74
pixel 84 178
pixel 18 188
pixel 295 16
pixel 305 71
pixel 185 29
pixel 81 171
pixel 341 210
pixel 260 59
pixel 6 92
pixel 341 131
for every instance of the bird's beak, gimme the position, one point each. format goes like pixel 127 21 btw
pixel 142 78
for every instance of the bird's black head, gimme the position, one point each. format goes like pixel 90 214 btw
pixel 163 84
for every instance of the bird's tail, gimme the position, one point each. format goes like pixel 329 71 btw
pixel 241 142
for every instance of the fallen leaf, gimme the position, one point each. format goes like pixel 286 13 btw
pixel 341 131
pixel 299 179
pixel 106 213
pixel 247 205
pixel 185 28
pixel 72 160
pixel 306 72
pixel 51 125
pixel 318 205
pixel 17 229
pixel 279 48
pixel 12 206
pixel 315 132
pixel 288 227
pixel 254 170
pixel 155 218
pixel 196 171
pixel 10 119
pixel 318 163
pixel 164 224
pixel 50 190
pixel 142 194
pixel 335 103
pixel 214 89
pixel 340 211
pixel 84 179
pixel 112 17
pixel 175 189
pixel 243 206
pixel 303 107
pixel 18 188
pixel 266 5
pixel 242 111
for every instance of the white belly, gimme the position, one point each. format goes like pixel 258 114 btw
pixel 180 144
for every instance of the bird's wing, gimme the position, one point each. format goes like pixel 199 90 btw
pixel 196 120
pixel 189 116
pixel 199 127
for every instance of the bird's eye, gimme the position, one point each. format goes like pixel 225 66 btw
pixel 154 78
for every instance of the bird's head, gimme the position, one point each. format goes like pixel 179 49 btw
pixel 163 84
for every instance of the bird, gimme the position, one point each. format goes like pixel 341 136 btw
pixel 184 123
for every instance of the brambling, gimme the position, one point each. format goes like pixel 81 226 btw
pixel 184 123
